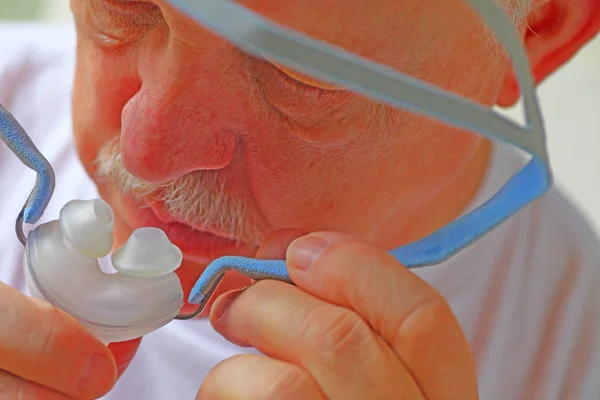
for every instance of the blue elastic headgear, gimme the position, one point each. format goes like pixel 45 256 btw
pixel 17 140
pixel 263 38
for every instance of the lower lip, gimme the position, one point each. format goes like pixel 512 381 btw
pixel 195 245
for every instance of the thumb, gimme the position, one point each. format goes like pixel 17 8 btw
pixel 124 353
pixel 407 312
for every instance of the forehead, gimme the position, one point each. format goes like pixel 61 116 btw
pixel 401 26
pixel 351 14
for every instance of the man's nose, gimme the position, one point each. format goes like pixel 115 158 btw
pixel 188 112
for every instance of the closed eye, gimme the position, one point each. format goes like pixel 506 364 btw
pixel 305 79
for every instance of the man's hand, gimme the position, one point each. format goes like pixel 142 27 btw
pixel 46 354
pixel 357 326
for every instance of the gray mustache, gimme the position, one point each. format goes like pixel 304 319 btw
pixel 197 198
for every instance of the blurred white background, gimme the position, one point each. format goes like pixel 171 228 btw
pixel 48 10
pixel 570 102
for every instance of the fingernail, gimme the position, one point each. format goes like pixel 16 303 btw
pixel 303 252
pixel 96 376
pixel 221 306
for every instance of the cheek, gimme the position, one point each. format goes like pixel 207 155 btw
pixel 103 84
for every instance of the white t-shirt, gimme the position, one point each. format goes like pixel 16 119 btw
pixel 526 295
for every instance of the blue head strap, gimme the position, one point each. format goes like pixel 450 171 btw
pixel 263 38
pixel 17 140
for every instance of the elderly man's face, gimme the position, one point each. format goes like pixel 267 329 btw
pixel 225 147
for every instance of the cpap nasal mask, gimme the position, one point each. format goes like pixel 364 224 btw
pixel 61 266
pixel 61 257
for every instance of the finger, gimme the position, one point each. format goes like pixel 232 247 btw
pixel 12 387
pixel 123 353
pixel 345 357
pixel 251 376
pixel 45 345
pixel 407 312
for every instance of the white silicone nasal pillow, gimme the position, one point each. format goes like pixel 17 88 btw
pixel 61 266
